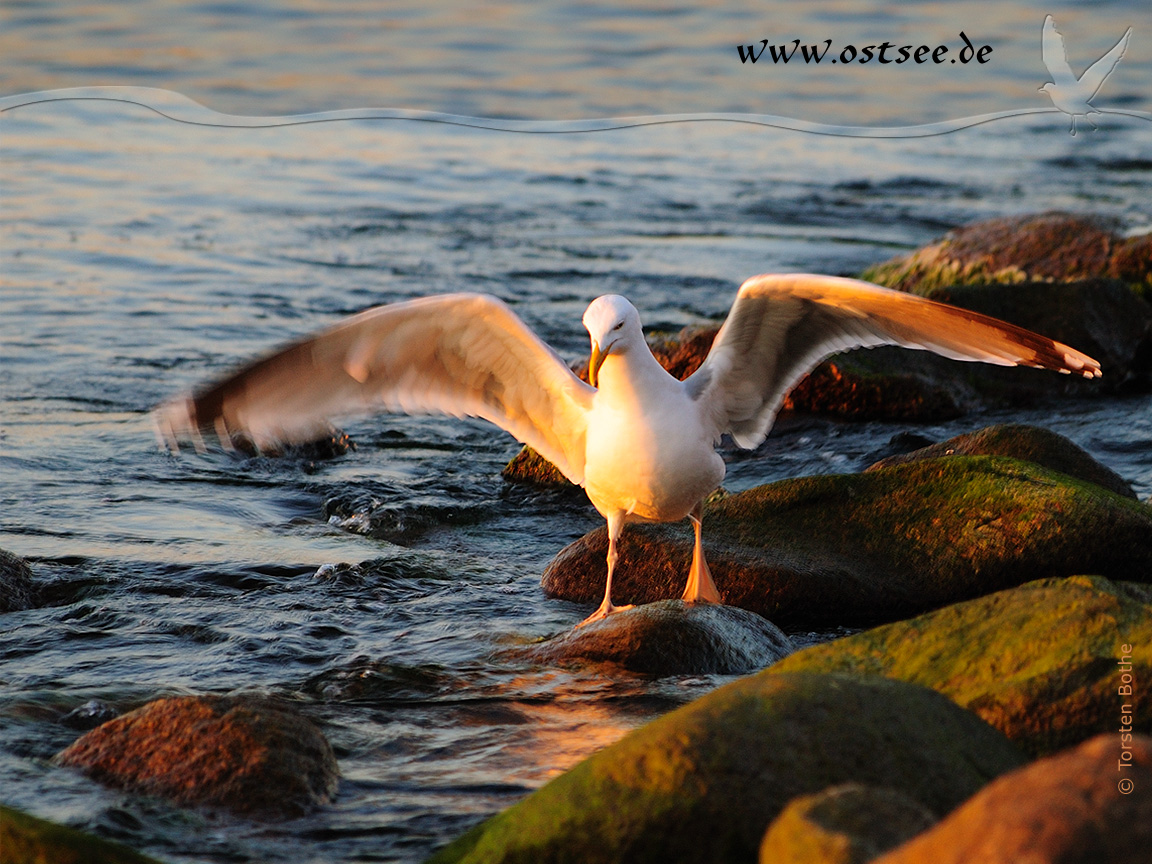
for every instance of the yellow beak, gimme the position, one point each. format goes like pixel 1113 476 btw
pixel 594 363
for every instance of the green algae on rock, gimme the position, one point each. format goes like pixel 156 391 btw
pixel 879 546
pixel 1040 662
pixel 1045 247
pixel 1030 443
pixel 1070 808
pixel 701 783
pixel 25 839
pixel 671 637
pixel 848 824
pixel 241 753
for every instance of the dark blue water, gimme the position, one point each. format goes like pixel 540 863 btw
pixel 139 256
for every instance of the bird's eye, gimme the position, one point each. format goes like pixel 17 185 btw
pixel 618 326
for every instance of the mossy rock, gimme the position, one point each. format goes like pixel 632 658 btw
pixel 879 546
pixel 1077 807
pixel 26 839
pixel 849 824
pixel 701 783
pixel 1040 662
pixel 672 637
pixel 1030 443
pixel 1046 247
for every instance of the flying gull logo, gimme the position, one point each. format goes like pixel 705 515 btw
pixel 1070 94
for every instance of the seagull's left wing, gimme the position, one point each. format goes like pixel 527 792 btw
pixel 782 326
pixel 459 354
pixel 1093 79
pixel 1053 54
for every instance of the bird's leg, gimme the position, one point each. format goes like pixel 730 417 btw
pixel 615 527
pixel 700 586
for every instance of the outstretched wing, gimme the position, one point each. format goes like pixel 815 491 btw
pixel 782 326
pixel 1053 54
pixel 1093 79
pixel 459 354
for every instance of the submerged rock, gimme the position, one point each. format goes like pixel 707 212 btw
pixel 1041 662
pixel 18 589
pixel 240 753
pixel 1030 443
pixel 1072 808
pixel 879 546
pixel 701 783
pixel 672 637
pixel 849 824
pixel 25 839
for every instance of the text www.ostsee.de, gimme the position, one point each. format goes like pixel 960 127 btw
pixel 883 53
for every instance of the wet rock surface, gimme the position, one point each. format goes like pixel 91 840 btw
pixel 244 754
pixel 1051 246
pixel 849 824
pixel 18 588
pixel 878 546
pixel 1040 662
pixel 24 839
pixel 671 637
pixel 1029 443
pixel 702 783
pixel 1070 808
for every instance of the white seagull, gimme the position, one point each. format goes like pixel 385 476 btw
pixel 1070 94
pixel 640 442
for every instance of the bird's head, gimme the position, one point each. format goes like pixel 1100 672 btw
pixel 1047 88
pixel 614 327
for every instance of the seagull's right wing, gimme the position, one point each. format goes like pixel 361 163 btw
pixel 782 326
pixel 1093 79
pixel 459 354
pixel 1055 58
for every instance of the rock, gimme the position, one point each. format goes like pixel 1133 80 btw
pixel 18 589
pixel 672 637
pixel 25 839
pixel 240 753
pixel 701 783
pixel 835 550
pixel 1070 808
pixel 91 714
pixel 1100 317
pixel 1037 247
pixel 1030 443
pixel 849 824
pixel 1039 662
pixel 881 384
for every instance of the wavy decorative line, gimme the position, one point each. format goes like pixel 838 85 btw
pixel 175 106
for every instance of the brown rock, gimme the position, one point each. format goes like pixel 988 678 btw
pixel 241 753
pixel 1042 247
pixel 672 637
pixel 879 546
pixel 1090 805
pixel 1030 443
pixel 848 824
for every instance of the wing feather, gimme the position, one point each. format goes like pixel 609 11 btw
pixel 782 326
pixel 458 354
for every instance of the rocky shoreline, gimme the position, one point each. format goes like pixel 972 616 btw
pixel 1004 577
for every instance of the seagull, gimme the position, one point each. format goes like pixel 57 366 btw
pixel 1070 94
pixel 640 442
